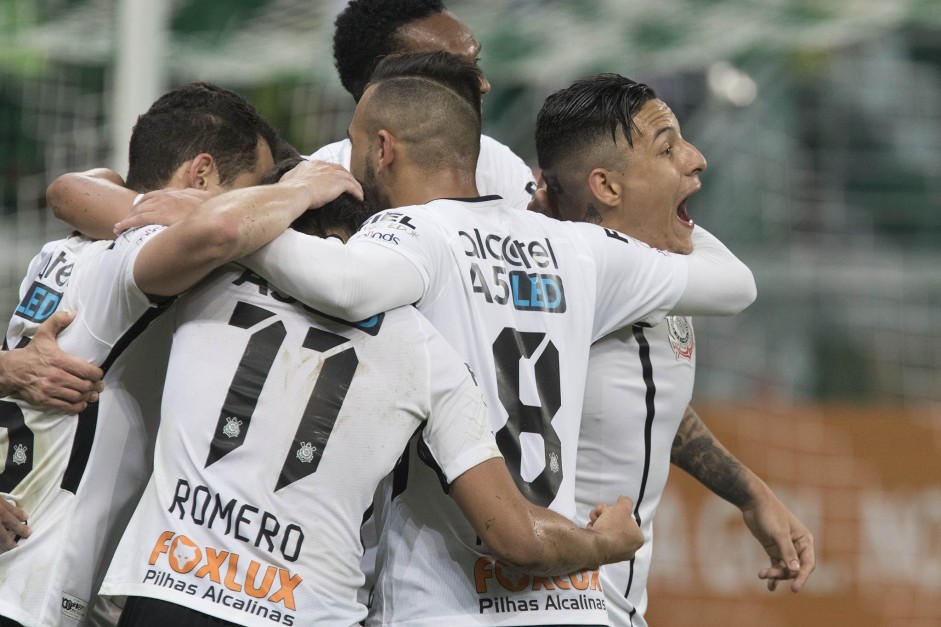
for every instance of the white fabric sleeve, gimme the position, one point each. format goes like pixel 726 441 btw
pixel 351 282
pixel 107 297
pixel 719 283
pixel 635 283
pixel 337 152
pixel 457 431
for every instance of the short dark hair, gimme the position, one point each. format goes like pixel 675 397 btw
pixel 366 30
pixel 584 113
pixel 450 70
pixel 193 119
pixel 344 213
pixel 437 110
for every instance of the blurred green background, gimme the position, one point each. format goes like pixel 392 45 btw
pixel 821 121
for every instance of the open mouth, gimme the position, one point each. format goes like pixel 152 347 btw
pixel 682 215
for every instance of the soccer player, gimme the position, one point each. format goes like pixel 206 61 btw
pixel 267 461
pixel 367 31
pixel 73 474
pixel 519 295
pixel 612 153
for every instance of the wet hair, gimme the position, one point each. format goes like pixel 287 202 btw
pixel 367 30
pixel 586 113
pixel 345 213
pixel 430 100
pixel 193 119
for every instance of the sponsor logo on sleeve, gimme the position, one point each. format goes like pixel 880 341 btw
pixel 74 607
pixel 40 302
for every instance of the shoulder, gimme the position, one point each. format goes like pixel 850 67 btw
pixel 337 152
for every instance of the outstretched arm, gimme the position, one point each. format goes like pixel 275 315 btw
pixel 42 374
pixel 91 202
pixel 789 544
pixel 535 539
pixel 718 284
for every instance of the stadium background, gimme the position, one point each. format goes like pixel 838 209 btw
pixel 821 121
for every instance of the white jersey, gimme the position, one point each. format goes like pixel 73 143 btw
pixel 522 297
pixel 640 381
pixel 500 171
pixel 77 477
pixel 278 424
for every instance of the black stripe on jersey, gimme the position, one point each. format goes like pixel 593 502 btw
pixel 474 199
pixel 643 352
pixel 424 454
pixel 19 446
pixel 400 471
pixel 133 332
pixel 88 418
pixel 323 407
pixel 250 375
pixel 81 448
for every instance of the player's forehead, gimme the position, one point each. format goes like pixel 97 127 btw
pixel 439 31
pixel 653 119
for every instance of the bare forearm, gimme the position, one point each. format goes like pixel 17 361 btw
pixel 697 451
pixel 567 548
pixel 91 202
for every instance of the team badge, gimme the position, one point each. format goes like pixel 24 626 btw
pixel 306 452
pixel 681 337
pixel 231 428
pixel 553 462
pixel 19 454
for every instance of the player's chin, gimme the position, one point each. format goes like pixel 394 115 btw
pixel 682 239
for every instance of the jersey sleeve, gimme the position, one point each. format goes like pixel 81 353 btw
pixel 457 431
pixel 500 171
pixel 635 283
pixel 349 282
pixel 107 297
pixel 337 152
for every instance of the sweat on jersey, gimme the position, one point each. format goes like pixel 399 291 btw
pixel 521 297
pixel 78 476
pixel 640 381
pixel 278 424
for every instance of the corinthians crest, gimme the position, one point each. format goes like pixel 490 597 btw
pixel 306 452
pixel 232 427
pixel 19 454
pixel 681 337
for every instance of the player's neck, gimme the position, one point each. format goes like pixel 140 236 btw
pixel 423 186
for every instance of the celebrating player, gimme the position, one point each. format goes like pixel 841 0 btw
pixel 267 462
pixel 611 153
pixel 370 30
pixel 75 475
pixel 520 296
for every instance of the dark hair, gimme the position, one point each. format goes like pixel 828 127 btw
pixel 366 30
pixel 452 71
pixel 344 213
pixel 584 113
pixel 193 119
pixel 431 100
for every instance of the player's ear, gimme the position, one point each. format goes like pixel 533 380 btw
pixel 387 150
pixel 202 172
pixel 605 187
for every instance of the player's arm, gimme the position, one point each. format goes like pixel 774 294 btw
pixel 42 374
pixel 789 543
pixel 535 539
pixel 352 282
pixel 91 202
pixel 232 225
pixel 718 283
